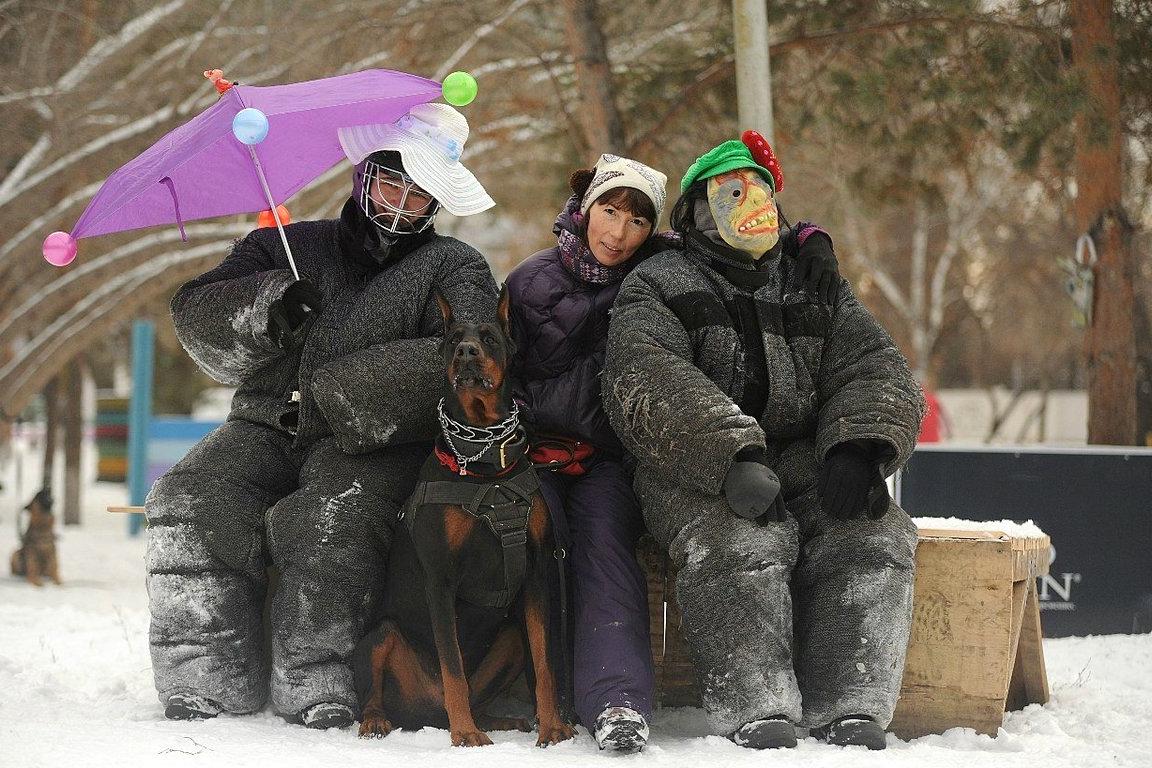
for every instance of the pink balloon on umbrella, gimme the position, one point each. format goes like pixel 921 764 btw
pixel 59 249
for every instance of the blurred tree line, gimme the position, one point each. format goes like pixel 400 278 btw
pixel 937 140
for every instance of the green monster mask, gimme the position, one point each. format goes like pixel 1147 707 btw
pixel 743 178
pixel 742 204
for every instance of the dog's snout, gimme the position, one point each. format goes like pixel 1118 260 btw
pixel 467 350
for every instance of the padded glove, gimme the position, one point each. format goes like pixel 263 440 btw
pixel 851 484
pixel 817 269
pixel 290 315
pixel 752 490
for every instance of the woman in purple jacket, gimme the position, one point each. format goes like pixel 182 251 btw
pixel 561 298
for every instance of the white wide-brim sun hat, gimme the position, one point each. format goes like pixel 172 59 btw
pixel 430 140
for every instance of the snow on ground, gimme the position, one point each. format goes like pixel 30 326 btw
pixel 76 689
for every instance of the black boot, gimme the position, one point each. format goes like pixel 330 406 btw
pixel 186 706
pixel 853 731
pixel 327 715
pixel 770 733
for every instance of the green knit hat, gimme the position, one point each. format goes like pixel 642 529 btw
pixel 729 156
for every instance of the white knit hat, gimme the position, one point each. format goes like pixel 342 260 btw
pixel 430 139
pixel 613 171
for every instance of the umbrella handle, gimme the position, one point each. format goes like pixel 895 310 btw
pixel 272 205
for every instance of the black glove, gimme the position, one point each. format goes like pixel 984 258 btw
pixel 817 268
pixel 752 490
pixel 851 484
pixel 290 315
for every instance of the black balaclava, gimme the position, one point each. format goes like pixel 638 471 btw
pixel 364 242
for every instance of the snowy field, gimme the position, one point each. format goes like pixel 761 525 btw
pixel 76 690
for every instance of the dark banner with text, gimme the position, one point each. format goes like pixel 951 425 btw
pixel 1094 503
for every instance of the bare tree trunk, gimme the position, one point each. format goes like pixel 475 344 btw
pixel 1110 344
pixel 51 423
pixel 603 126
pixel 1143 375
pixel 73 407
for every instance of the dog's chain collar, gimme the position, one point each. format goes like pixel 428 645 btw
pixel 489 436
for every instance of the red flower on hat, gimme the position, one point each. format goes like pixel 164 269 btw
pixel 763 155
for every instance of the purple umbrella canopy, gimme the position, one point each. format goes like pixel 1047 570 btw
pixel 201 169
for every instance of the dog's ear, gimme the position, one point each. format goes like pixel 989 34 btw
pixel 502 310
pixel 445 308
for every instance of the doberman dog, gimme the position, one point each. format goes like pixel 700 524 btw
pixel 36 557
pixel 467 585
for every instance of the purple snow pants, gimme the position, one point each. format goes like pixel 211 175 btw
pixel 598 520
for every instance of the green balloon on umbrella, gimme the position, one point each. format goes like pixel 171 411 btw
pixel 459 89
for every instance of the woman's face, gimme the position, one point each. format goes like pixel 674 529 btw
pixel 614 234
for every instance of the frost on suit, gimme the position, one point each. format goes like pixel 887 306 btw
pixel 368 376
pixel 672 379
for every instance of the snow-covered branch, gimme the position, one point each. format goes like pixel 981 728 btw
pixel 41 222
pixel 148 67
pixel 479 34
pixel 862 252
pixel 202 34
pixel 110 46
pixel 134 128
pixel 152 239
pixel 34 155
pixel 41 347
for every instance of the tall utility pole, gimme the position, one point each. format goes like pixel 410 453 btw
pixel 1110 343
pixel 753 74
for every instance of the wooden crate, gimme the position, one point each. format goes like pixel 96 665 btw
pixel 975 649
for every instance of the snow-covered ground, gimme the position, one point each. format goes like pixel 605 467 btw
pixel 76 690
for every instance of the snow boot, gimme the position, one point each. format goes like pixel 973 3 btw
pixel 327 715
pixel 769 733
pixel 621 729
pixel 189 706
pixel 853 731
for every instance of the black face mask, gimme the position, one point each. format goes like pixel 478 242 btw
pixel 364 244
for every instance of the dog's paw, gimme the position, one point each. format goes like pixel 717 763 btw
pixel 375 727
pixel 470 739
pixel 554 733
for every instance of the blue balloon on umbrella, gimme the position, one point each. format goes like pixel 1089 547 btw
pixel 250 126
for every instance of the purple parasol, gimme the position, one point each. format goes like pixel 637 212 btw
pixel 203 169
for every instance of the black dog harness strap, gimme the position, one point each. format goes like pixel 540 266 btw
pixel 504 506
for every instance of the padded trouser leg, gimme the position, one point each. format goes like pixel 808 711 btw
pixel 206 565
pixel 330 539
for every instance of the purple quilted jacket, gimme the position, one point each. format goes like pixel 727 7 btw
pixel 560 325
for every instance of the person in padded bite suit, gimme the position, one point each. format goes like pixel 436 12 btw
pixel 764 421
pixel 337 376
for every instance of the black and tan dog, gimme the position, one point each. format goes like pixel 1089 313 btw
pixel 36 558
pixel 467 587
